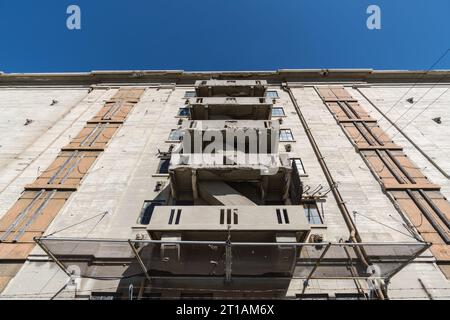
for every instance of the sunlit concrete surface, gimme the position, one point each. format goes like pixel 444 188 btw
pixel 109 200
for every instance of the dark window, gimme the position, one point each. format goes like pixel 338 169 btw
pixel 183 112
pixel 312 296
pixel 175 135
pixel 286 135
pixel 190 94
pixel 228 214
pixel 184 202
pixel 147 210
pixel 163 166
pixel 350 296
pixel 272 94
pixel 278 112
pixel 282 216
pixel 312 213
pixel 299 164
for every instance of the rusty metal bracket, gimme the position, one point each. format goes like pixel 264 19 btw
pixel 141 263
pixel 306 282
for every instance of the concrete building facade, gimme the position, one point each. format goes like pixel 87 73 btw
pixel 324 184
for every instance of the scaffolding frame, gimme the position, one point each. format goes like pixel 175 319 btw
pixel 420 247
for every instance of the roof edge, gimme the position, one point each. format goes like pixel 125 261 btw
pixel 181 76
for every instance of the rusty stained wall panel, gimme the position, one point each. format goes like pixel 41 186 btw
pixel 66 171
pixel 131 94
pixel 368 135
pixel 113 111
pixel 344 111
pixel 440 249
pixel 418 198
pixel 332 93
pixel 29 217
pixel 386 167
pixel 93 136
pixel 117 109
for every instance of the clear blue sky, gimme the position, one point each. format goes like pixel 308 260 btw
pixel 222 35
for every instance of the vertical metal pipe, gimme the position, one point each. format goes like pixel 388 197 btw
pixel 141 263
pixel 354 234
pixel 399 165
pixel 397 177
pixel 316 265
pixel 435 208
pixel 374 136
pixel 442 233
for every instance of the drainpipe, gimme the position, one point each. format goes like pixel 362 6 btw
pixel 433 163
pixel 354 234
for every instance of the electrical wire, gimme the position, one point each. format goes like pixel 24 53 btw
pixel 423 75
pixel 401 129
pixel 409 89
pixel 409 109
pixel 78 223
pixel 389 227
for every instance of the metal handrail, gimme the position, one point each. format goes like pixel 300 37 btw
pixel 337 244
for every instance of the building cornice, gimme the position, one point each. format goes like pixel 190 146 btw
pixel 188 77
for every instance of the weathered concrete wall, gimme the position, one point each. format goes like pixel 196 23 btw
pixel 26 149
pixel 125 175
